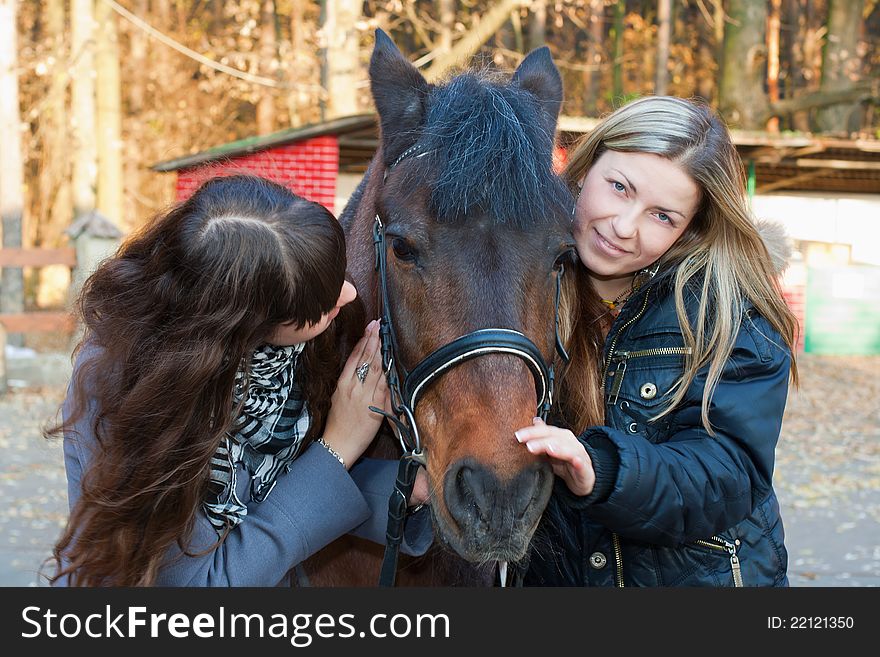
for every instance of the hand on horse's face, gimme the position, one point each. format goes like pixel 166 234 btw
pixel 568 458
pixel 351 425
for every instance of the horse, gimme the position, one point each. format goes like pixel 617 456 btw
pixel 475 233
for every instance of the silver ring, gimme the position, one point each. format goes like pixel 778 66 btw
pixel 361 372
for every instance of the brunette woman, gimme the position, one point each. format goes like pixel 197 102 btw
pixel 210 430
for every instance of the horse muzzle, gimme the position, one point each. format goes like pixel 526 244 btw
pixel 490 519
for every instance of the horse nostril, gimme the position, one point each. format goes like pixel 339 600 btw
pixel 526 486
pixel 464 482
pixel 463 495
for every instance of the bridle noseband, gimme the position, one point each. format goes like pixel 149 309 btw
pixel 407 387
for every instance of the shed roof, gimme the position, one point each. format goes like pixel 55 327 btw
pixel 811 162
pixel 785 161
pixel 339 127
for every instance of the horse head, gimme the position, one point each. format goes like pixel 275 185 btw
pixel 476 235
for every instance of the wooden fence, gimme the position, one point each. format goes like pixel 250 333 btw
pixel 37 321
pixel 94 238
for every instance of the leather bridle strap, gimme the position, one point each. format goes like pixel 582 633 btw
pixel 407 387
pixel 397 511
pixel 478 343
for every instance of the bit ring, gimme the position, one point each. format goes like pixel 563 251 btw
pixel 361 372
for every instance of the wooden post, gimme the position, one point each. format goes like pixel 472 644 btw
pixel 3 384
pixel 11 167
pixel 95 238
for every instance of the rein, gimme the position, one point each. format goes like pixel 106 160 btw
pixel 406 387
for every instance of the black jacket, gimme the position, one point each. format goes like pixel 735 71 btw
pixel 673 505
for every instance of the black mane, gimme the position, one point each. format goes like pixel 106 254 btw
pixel 488 151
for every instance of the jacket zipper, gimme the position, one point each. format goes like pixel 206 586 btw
pixel 618 559
pixel 617 336
pixel 622 359
pixel 730 548
pixel 615 539
pixel 623 356
pixel 656 351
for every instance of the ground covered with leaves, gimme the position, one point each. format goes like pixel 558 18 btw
pixel 827 476
pixel 828 472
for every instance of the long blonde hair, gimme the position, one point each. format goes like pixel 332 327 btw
pixel 720 252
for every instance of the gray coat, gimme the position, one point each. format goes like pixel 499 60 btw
pixel 315 502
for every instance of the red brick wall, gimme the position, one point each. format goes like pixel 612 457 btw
pixel 796 298
pixel 308 168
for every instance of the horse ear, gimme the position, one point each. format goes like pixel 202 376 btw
pixel 400 92
pixel 538 75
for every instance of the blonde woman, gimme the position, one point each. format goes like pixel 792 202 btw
pixel 681 350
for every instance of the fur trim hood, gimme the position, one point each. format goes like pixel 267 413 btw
pixel 777 242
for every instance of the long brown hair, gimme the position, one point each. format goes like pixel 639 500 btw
pixel 168 321
pixel 720 254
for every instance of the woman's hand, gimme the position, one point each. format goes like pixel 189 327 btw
pixel 568 458
pixel 351 425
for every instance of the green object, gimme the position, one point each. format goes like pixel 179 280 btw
pixel 843 310
pixel 750 183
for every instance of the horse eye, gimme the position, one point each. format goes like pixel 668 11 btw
pixel 402 250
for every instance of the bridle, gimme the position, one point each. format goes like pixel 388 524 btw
pixel 407 387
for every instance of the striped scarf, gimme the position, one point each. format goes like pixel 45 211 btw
pixel 266 436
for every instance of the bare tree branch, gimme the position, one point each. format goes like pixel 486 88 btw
pixel 869 90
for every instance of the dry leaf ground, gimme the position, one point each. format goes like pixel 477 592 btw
pixel 827 477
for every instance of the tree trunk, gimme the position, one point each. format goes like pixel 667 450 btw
pixel 593 75
pixel 11 163
pixel 83 101
pixel 538 24
pixel 742 99
pixel 519 43
pixel 162 52
pixel 719 15
pixel 707 59
pixel 446 8
pixel 55 202
pixel 788 31
pixel 136 74
pixel 268 61
pixel 489 23
pixel 664 34
pixel 796 17
pixel 841 64
pixel 109 114
pixel 138 53
pixel 54 207
pixel 718 23
pixel 617 40
pixel 341 66
pixel 773 27
pixel 506 35
pixel 297 98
